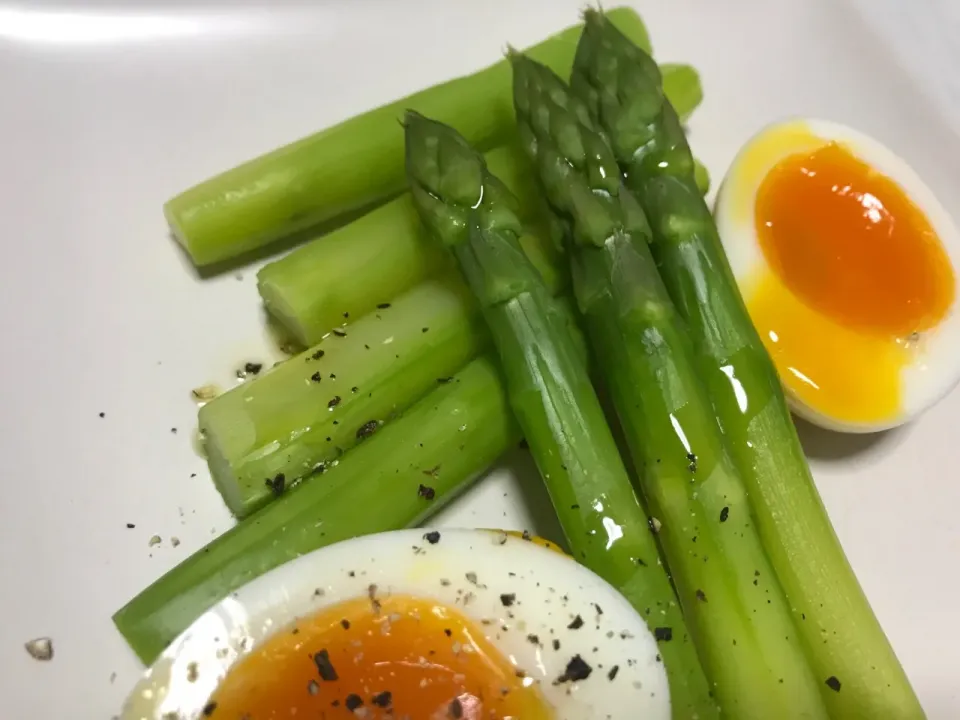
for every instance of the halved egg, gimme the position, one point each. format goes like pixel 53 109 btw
pixel 425 625
pixel 847 264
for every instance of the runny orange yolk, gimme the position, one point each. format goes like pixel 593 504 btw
pixel 857 273
pixel 401 657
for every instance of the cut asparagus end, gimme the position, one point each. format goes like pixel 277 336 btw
pixel 352 165
pixel 397 478
pixel 266 435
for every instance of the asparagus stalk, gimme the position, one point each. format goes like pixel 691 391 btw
pixel 352 165
pixel 385 253
pixel 857 669
pixel 731 599
pixel 549 389
pixel 262 437
pixel 396 479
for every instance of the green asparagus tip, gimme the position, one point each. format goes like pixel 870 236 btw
pixel 446 176
pixel 451 185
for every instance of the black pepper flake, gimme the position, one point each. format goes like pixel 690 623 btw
pixel 277 483
pixel 833 683
pixel 209 708
pixel 444 380
pixel 426 329
pixel 253 368
pixel 173 430
pixel 533 639
pixel 599 609
pixel 701 596
pixel 333 376
pixel 692 459
pixel 353 701
pixel 316 377
pixel 455 710
pixel 576 624
pixel 663 634
pixel 354 389
pixel 556 644
pixel 448 632
pixel 325 667
pixel 103 414
pixel 613 673
pixel 508 599
pixel 334 401
pixel 427 493
pixel 577 669
pixel 524 445
pixel 383 306
pixel 367 429
pixel 724 514
pixel 130 526
pixel 346 315
pixel 432 537
pixel 345 624
pixel 318 354
pixel 526 535
pixel 372 594
pixel 384 699
pixel 340 333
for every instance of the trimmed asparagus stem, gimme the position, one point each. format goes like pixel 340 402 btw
pixel 844 641
pixel 731 599
pixel 351 165
pixel 385 253
pixel 265 435
pixel 395 479
pixel 548 386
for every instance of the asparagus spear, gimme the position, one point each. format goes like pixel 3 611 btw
pixel 856 666
pixel 396 479
pixel 549 389
pixel 731 599
pixel 385 253
pixel 265 435
pixel 351 165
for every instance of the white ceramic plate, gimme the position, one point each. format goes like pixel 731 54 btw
pixel 107 110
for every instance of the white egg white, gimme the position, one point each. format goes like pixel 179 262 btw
pixel 551 590
pixel 935 368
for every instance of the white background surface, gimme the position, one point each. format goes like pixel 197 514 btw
pixel 106 112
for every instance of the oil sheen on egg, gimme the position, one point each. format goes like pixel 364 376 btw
pixel 846 262
pixel 417 624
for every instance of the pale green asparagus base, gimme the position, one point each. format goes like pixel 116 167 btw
pixel 443 442
pixel 354 164
pixel 265 435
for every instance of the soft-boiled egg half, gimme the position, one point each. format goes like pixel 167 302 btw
pixel 847 264
pixel 425 625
